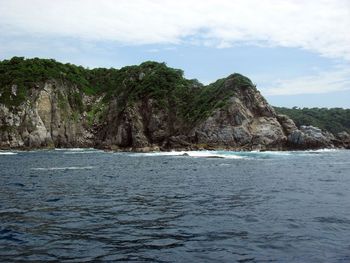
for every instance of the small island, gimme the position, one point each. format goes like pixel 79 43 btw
pixel 150 107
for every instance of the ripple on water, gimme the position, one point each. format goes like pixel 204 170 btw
pixel 53 200
pixel 108 207
pixel 63 168
pixel 9 235
pixel 332 220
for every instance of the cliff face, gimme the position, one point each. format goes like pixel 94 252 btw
pixel 247 122
pixel 150 107
pixel 47 118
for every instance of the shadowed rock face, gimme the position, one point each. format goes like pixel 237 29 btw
pixel 343 139
pixel 247 122
pixel 58 114
pixel 311 137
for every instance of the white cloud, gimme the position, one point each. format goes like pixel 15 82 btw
pixel 320 26
pixel 334 80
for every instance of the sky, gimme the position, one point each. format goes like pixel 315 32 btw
pixel 297 52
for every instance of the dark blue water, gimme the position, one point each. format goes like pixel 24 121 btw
pixel 90 206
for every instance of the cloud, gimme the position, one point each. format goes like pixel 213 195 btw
pixel 334 80
pixel 320 26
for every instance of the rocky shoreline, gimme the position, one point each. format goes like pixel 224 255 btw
pixel 56 113
pixel 248 125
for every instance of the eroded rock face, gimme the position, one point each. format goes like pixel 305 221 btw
pixel 288 124
pixel 343 139
pixel 138 126
pixel 311 137
pixel 50 117
pixel 248 122
pixel 46 119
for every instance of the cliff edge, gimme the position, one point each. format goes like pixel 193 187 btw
pixel 45 104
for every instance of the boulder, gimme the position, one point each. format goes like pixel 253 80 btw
pixel 344 139
pixel 310 137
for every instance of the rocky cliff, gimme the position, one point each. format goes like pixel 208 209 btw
pixel 44 103
pixel 48 117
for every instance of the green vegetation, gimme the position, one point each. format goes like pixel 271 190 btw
pixel 28 73
pixel 62 102
pixel 334 120
pixel 187 99
pixel 167 86
pixel 94 112
pixel 214 96
pixel 6 128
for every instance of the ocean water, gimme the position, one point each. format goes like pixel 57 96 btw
pixel 85 205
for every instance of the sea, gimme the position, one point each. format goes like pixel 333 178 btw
pixel 87 205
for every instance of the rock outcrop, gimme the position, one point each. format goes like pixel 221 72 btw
pixel 48 118
pixel 152 107
pixel 343 140
pixel 309 137
pixel 247 122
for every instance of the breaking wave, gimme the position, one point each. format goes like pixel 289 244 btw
pixel 78 150
pixel 198 154
pixel 7 153
pixel 83 152
pixel 323 150
pixel 74 149
pixel 234 154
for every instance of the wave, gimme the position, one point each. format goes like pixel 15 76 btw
pixel 74 149
pixel 7 153
pixel 234 154
pixel 217 154
pixel 197 154
pixel 78 150
pixel 83 152
pixel 324 150
pixel 272 153
pixel 63 168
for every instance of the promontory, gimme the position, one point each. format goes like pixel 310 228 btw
pixel 47 104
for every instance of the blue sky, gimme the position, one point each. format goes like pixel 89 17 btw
pixel 298 53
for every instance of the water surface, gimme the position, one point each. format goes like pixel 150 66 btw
pixel 83 205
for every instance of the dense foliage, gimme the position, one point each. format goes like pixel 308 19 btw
pixel 185 98
pixel 188 99
pixel 334 120
pixel 27 73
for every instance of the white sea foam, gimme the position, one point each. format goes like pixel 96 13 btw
pixel 83 152
pixel 78 150
pixel 273 153
pixel 324 150
pixel 203 154
pixel 74 149
pixel 225 154
pixel 63 168
pixel 215 154
pixel 7 153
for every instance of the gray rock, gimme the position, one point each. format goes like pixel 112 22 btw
pixel 288 124
pixel 343 136
pixel 141 76
pixel 49 118
pixel 14 90
pixel 343 139
pixel 246 122
pixel 44 120
pixel 311 137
